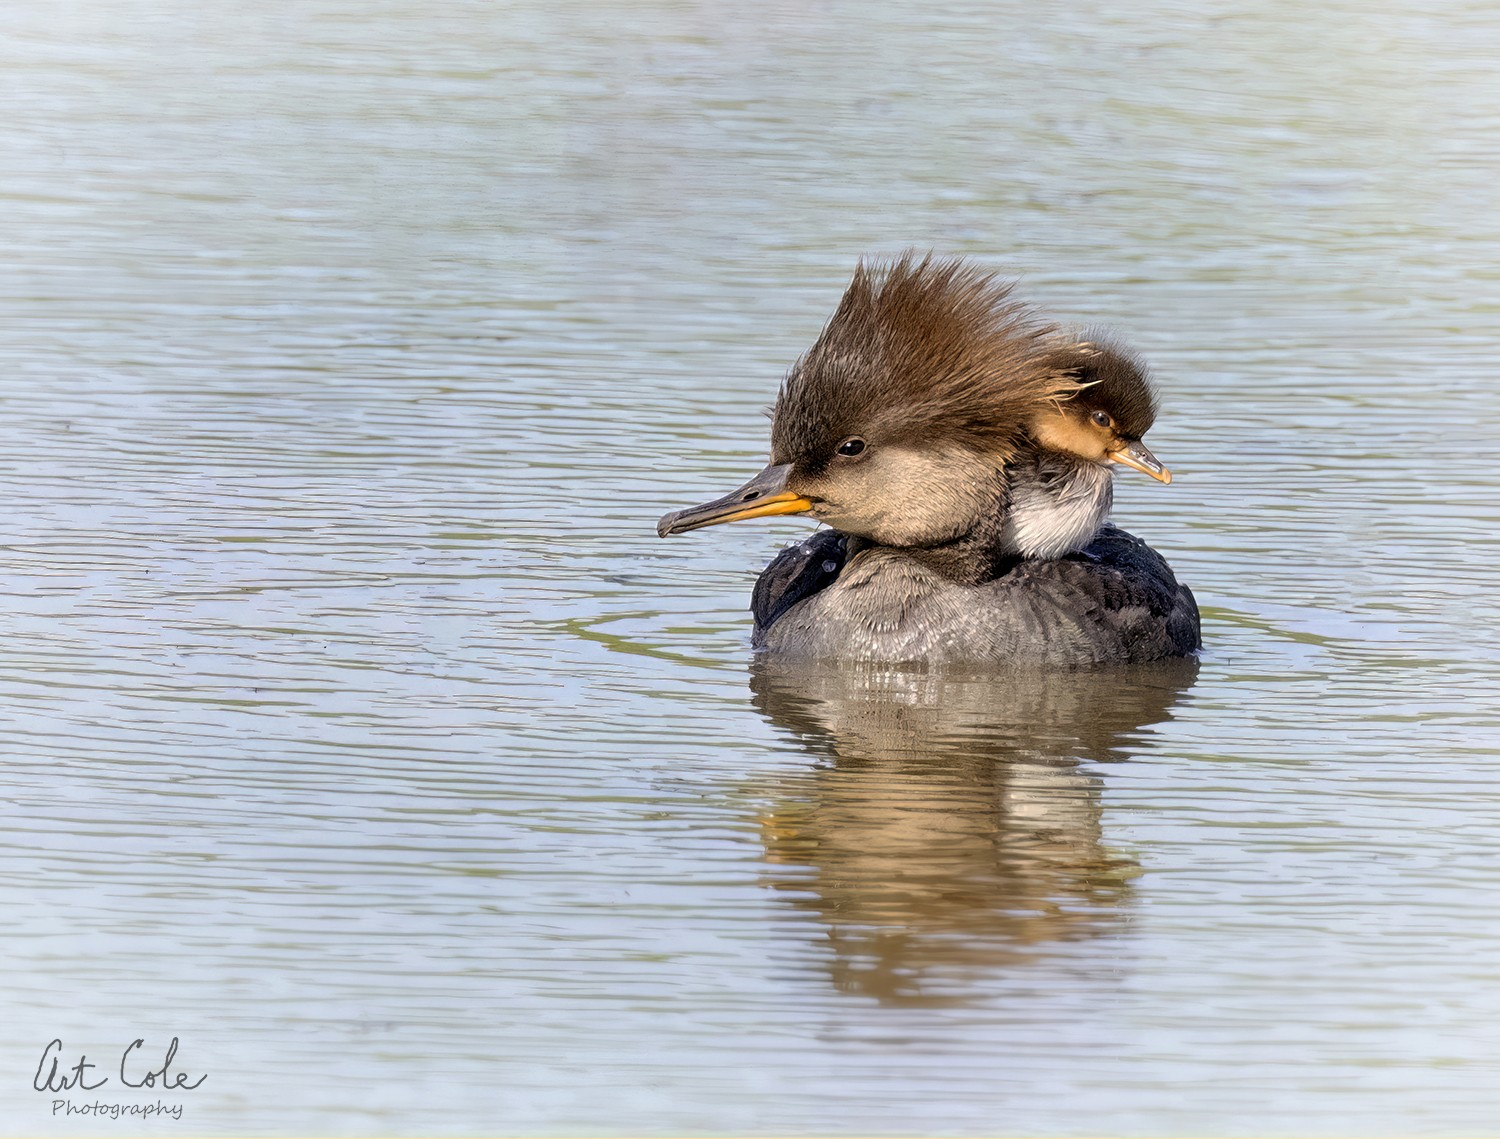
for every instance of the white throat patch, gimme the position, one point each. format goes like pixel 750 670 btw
pixel 1057 505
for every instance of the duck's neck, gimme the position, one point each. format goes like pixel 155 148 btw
pixel 1047 505
pixel 979 555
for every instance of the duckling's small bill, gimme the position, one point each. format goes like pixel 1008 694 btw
pixel 762 497
pixel 1138 456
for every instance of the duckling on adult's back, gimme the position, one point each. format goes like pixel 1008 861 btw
pixel 897 428
pixel 1062 486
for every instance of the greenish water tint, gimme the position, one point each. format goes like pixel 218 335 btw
pixel 362 734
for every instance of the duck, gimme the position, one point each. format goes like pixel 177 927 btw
pixel 1062 487
pixel 906 428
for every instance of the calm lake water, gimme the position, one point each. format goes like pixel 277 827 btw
pixel 362 734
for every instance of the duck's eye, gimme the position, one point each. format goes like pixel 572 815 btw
pixel 1102 419
pixel 851 447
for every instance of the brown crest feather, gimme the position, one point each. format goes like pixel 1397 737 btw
pixel 920 349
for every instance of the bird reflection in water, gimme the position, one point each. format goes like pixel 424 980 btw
pixel 954 827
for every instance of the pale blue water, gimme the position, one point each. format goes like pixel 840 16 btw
pixel 362 734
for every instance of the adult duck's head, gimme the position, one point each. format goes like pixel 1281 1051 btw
pixel 1113 408
pixel 898 422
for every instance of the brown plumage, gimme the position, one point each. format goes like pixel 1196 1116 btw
pixel 923 416
pixel 919 349
pixel 1112 377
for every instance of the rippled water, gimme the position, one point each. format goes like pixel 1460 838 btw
pixel 363 735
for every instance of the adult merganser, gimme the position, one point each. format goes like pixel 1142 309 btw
pixel 902 428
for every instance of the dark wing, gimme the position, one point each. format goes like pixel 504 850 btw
pixel 1115 601
pixel 796 573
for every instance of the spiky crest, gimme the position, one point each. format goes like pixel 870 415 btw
pixel 920 350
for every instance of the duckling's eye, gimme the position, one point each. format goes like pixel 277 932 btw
pixel 1102 419
pixel 851 447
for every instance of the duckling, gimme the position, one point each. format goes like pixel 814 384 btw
pixel 1063 487
pixel 898 428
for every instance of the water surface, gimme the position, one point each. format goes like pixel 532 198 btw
pixel 362 734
